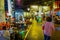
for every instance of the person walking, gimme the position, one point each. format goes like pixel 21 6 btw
pixel 6 34
pixel 48 28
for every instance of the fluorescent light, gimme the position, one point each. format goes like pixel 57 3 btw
pixel 34 6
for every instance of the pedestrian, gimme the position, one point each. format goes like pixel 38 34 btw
pixel 6 34
pixel 48 28
pixel 1 35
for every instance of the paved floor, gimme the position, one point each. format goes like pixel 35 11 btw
pixel 56 35
pixel 36 32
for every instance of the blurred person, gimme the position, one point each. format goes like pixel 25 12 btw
pixel 8 25
pixel 58 13
pixel 11 30
pixel 48 28
pixel 0 26
pixel 58 19
pixel 55 19
pixel 3 24
pixel 21 22
pixel 12 35
pixel 1 34
pixel 15 34
pixel 43 18
pixel 21 34
pixel 36 17
pixel 27 21
pixel 9 19
pixel 39 19
pixel 6 33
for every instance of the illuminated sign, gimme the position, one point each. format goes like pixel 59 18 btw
pixel 17 4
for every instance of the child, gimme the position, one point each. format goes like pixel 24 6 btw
pixel 48 28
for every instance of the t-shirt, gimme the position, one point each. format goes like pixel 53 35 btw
pixel 48 28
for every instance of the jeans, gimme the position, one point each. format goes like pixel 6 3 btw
pixel 46 37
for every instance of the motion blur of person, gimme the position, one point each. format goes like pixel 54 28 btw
pixel 48 28
pixel 8 25
pixel 14 35
pixel 43 18
pixel 21 34
pixel 57 19
pixel 0 26
pixel 22 22
pixel 11 30
pixel 27 21
pixel 6 33
pixel 36 17
pixel 2 33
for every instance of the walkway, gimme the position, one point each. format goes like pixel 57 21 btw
pixel 35 32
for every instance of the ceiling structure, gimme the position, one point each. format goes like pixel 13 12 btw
pixel 27 3
pixel 57 0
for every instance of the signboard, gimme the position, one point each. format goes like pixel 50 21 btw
pixel 2 13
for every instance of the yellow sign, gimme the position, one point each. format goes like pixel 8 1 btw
pixel 2 12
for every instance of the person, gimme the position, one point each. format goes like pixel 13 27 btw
pixel 55 19
pixel 0 26
pixel 6 34
pixel 58 13
pixel 48 28
pixel 1 35
pixel 11 30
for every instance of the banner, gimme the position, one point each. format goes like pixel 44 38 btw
pixel 2 12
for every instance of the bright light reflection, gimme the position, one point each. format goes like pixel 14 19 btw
pixel 28 9
pixel 45 7
pixel 34 6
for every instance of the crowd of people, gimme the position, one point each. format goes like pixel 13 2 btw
pixel 17 31
pixel 49 25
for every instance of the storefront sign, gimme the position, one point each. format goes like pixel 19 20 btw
pixel 2 13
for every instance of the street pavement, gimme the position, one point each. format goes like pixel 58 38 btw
pixel 36 32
